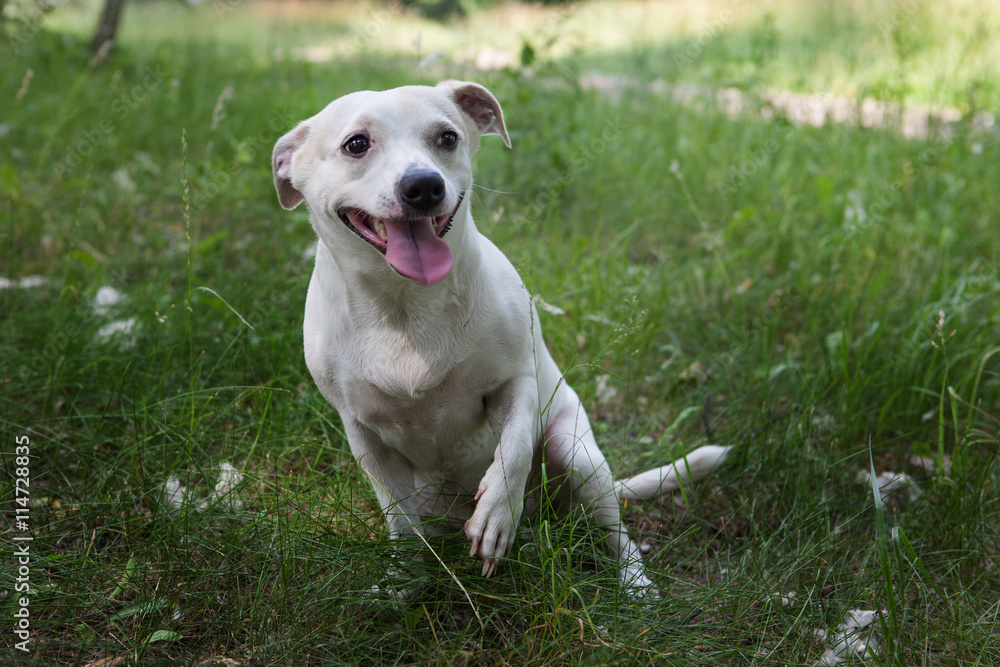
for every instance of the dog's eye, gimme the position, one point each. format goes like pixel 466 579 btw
pixel 448 139
pixel 357 145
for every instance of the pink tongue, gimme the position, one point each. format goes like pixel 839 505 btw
pixel 416 251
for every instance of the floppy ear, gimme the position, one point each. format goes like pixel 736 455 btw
pixel 281 164
pixel 480 105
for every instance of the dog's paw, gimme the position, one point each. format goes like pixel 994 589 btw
pixel 491 528
pixel 386 595
pixel 637 584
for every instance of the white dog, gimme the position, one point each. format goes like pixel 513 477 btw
pixel 422 335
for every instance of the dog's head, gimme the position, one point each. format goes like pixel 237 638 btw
pixel 389 171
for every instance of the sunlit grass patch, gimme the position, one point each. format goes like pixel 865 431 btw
pixel 824 298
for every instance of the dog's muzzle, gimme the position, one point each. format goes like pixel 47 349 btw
pixel 414 247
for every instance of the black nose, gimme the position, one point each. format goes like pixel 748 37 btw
pixel 421 189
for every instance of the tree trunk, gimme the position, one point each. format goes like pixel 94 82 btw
pixel 107 27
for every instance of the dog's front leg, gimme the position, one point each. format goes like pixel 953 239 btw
pixel 500 497
pixel 392 479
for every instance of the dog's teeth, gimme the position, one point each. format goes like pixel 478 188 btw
pixel 379 228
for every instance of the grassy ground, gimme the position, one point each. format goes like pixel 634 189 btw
pixel 827 299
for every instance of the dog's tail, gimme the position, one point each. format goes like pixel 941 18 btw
pixel 659 481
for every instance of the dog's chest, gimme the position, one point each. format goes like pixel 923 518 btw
pixel 448 432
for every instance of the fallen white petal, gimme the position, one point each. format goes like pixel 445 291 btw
pixel 176 495
pixel 22 283
pixel 830 657
pixel 229 479
pixel 106 297
pixel 174 492
pixel 603 392
pixel 890 482
pixel 121 178
pixel 858 618
pixel 116 329
pixel 786 599
pixel 850 637
pixel 929 463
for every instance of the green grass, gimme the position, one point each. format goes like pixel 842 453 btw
pixel 762 284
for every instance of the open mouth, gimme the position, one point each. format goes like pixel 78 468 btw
pixel 413 247
pixel 376 232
